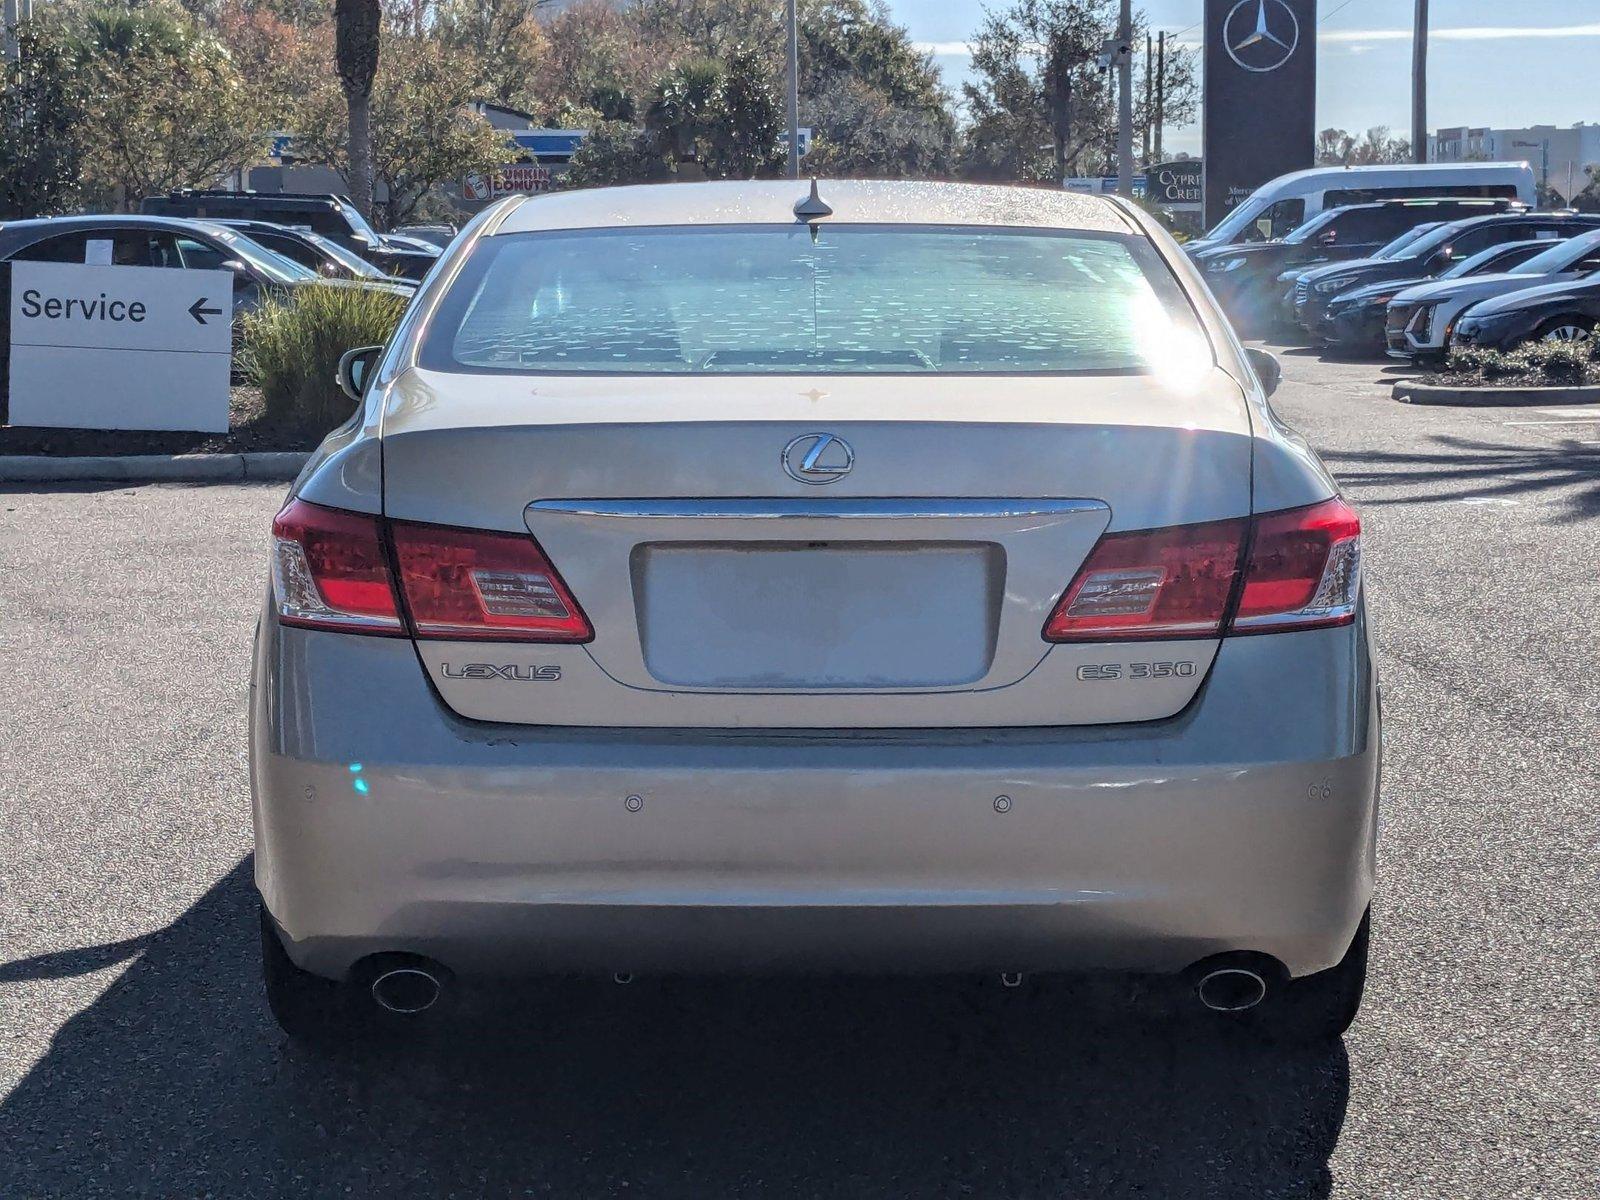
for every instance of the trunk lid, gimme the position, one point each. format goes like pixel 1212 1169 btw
pixel 909 589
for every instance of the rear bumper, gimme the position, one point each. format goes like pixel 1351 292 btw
pixel 383 822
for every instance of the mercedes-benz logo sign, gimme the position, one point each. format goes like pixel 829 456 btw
pixel 1261 35
pixel 818 458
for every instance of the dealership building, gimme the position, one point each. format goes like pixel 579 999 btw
pixel 1560 158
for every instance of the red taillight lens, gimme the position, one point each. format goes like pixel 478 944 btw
pixel 329 570
pixel 1152 583
pixel 475 585
pixel 1304 570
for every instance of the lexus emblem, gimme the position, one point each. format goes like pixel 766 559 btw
pixel 818 458
pixel 1261 35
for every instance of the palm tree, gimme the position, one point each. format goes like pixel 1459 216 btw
pixel 357 25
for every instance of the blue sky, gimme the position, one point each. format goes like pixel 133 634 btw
pixel 1497 63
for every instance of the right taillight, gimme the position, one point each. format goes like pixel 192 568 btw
pixel 1295 569
pixel 1303 571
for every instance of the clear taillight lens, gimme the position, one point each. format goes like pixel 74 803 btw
pixel 1152 584
pixel 1304 570
pixel 329 570
pixel 472 584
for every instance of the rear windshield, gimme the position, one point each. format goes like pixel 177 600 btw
pixel 780 299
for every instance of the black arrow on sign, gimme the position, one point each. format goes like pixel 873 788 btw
pixel 200 314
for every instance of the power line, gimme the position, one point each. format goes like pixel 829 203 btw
pixel 1320 20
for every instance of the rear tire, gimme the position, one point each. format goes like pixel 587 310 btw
pixel 1320 1007
pixel 312 1010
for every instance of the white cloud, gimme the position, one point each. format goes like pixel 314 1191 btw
pixel 1364 37
pixel 1464 33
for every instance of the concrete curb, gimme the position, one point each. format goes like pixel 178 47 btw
pixel 1409 391
pixel 275 465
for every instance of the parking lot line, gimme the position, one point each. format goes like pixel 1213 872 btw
pixel 1569 421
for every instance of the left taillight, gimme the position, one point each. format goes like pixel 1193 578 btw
pixel 330 571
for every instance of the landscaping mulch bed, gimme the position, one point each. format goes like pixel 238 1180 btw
pixel 252 430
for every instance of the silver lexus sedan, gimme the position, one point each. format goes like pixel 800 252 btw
pixel 761 578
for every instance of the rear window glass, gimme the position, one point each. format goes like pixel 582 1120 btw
pixel 781 299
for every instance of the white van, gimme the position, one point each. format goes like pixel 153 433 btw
pixel 1279 206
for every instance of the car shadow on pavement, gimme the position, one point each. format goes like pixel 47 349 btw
pixel 175 1083
pixel 1470 469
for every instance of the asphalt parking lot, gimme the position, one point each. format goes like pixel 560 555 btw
pixel 137 1057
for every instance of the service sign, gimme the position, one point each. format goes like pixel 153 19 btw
pixel 101 347
pixel 1261 96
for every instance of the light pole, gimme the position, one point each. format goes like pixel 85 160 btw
pixel 1419 85
pixel 1125 102
pixel 793 93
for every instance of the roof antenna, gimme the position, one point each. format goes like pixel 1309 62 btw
pixel 813 207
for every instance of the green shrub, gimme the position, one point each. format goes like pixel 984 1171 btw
pixel 292 347
pixel 1559 362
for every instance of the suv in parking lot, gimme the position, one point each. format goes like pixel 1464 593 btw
pixel 332 216
pixel 1247 279
pixel 1427 258
pixel 900 577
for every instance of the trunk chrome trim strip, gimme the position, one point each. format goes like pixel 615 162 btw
pixel 865 508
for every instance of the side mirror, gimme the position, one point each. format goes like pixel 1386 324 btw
pixel 355 370
pixel 1266 368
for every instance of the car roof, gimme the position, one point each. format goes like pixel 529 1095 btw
pixel 853 201
pixel 47 226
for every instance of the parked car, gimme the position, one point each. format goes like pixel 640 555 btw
pixel 146 241
pixel 440 235
pixel 899 577
pixel 332 216
pixel 1288 279
pixel 1428 258
pixel 1282 205
pixel 314 252
pixel 1420 321
pixel 1245 279
pixel 1556 312
pixel 1357 320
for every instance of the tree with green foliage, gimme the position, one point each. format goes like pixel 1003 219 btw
pixel 423 131
pixel 1040 107
pixel 40 164
pixel 1338 148
pixel 874 102
pixel 158 104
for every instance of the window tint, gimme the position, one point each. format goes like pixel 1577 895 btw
pixel 291 248
pixel 1495 191
pixel 201 256
pixel 65 248
pixel 785 299
pixel 1280 219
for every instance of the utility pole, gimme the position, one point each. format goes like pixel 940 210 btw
pixel 793 90
pixel 1125 102
pixel 1149 93
pixel 1419 85
pixel 1161 90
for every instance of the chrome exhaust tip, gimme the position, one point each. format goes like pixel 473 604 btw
pixel 408 990
pixel 1231 989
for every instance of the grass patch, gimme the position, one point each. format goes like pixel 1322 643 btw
pixel 292 348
